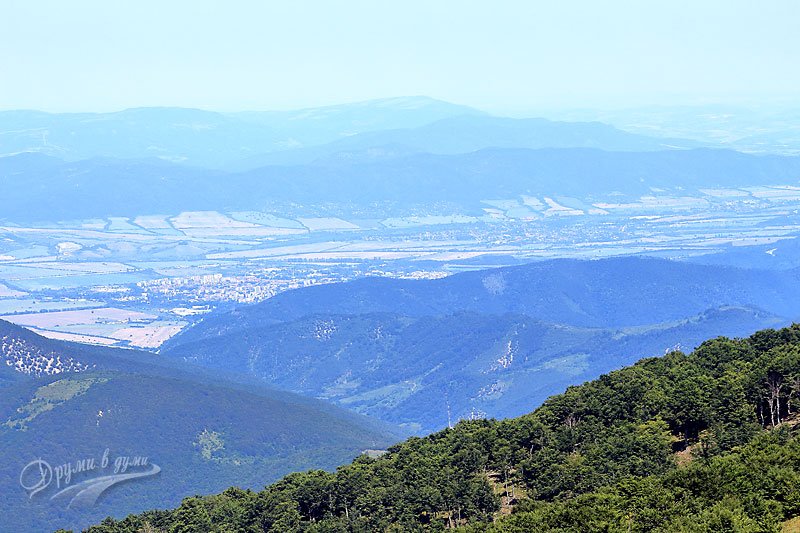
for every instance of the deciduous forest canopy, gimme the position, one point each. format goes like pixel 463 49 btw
pixel 705 441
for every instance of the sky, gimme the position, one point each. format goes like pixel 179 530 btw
pixel 506 56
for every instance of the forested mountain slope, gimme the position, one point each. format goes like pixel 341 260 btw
pixel 485 343
pixel 63 403
pixel 605 293
pixel 424 372
pixel 699 442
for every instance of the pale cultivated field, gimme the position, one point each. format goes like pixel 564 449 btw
pixel 67 318
pixel 554 208
pixel 119 251
pixel 147 336
pixel 431 220
pixel 265 219
pixel 784 193
pixel 256 231
pixel 279 251
pixel 403 245
pixel 38 305
pixel 17 272
pixel 657 202
pixel 756 241
pixel 532 202
pixel 74 337
pixel 521 212
pixel 751 220
pixel 333 251
pixel 203 224
pixel 327 223
pixel 125 242
pixel 7 292
pixel 459 256
pixel 189 311
pixel 725 193
pixel 502 204
pixel 152 222
pixel 122 224
pixel 207 219
pixel 91 267
pixel 344 256
pixel 95 223
pixel 68 233
pixel 34 259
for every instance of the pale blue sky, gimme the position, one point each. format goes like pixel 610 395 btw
pixel 501 55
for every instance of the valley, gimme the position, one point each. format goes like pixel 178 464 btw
pixel 382 267
pixel 154 275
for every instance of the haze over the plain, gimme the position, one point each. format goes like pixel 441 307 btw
pixel 508 56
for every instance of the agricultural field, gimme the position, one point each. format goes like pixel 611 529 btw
pixel 136 281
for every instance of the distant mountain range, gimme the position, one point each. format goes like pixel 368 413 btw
pixel 63 402
pixel 380 158
pixel 247 140
pixel 468 133
pixel 35 187
pixel 205 138
pixel 320 125
pixel 487 343
pixel 768 128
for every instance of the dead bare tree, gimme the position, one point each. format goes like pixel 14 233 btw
pixel 774 388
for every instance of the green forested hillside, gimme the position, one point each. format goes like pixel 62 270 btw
pixel 418 353
pixel 63 402
pixel 698 442
pixel 421 372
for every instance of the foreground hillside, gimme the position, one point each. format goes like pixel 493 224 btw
pixel 64 403
pixel 493 342
pixel 699 442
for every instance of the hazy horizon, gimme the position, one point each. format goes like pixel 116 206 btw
pixel 553 113
pixel 512 58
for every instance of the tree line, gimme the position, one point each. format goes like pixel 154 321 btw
pixel 685 442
